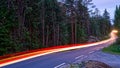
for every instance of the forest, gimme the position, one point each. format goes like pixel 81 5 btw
pixel 34 24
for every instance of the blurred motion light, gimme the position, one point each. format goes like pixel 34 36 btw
pixel 45 52
pixel 115 31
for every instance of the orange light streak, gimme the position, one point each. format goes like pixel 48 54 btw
pixel 27 56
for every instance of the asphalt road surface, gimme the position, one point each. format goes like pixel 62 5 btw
pixel 57 60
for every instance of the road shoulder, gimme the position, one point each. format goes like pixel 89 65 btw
pixel 109 59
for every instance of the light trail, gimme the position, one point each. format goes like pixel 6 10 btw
pixel 20 58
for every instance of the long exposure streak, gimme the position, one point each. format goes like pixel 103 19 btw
pixel 23 57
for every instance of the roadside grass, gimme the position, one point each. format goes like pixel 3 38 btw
pixel 113 49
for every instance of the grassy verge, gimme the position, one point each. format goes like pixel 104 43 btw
pixel 114 49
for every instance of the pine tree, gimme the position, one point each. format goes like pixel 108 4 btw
pixel 117 19
pixel 106 22
pixel 6 24
pixel 82 20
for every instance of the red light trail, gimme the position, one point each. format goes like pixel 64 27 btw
pixel 38 53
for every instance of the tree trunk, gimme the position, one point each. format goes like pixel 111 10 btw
pixel 54 35
pixel 75 33
pixel 21 18
pixel 47 37
pixel 72 30
pixel 58 35
pixel 43 25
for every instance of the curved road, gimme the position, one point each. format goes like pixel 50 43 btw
pixel 56 60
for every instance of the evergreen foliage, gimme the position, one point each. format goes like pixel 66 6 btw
pixel 33 24
pixel 117 19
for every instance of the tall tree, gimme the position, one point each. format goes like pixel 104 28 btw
pixel 106 22
pixel 83 20
pixel 71 15
pixel 117 18
pixel 7 22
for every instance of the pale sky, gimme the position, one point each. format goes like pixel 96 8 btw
pixel 110 5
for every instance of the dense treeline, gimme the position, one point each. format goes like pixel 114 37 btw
pixel 28 24
pixel 117 19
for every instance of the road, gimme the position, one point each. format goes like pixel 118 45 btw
pixel 55 60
